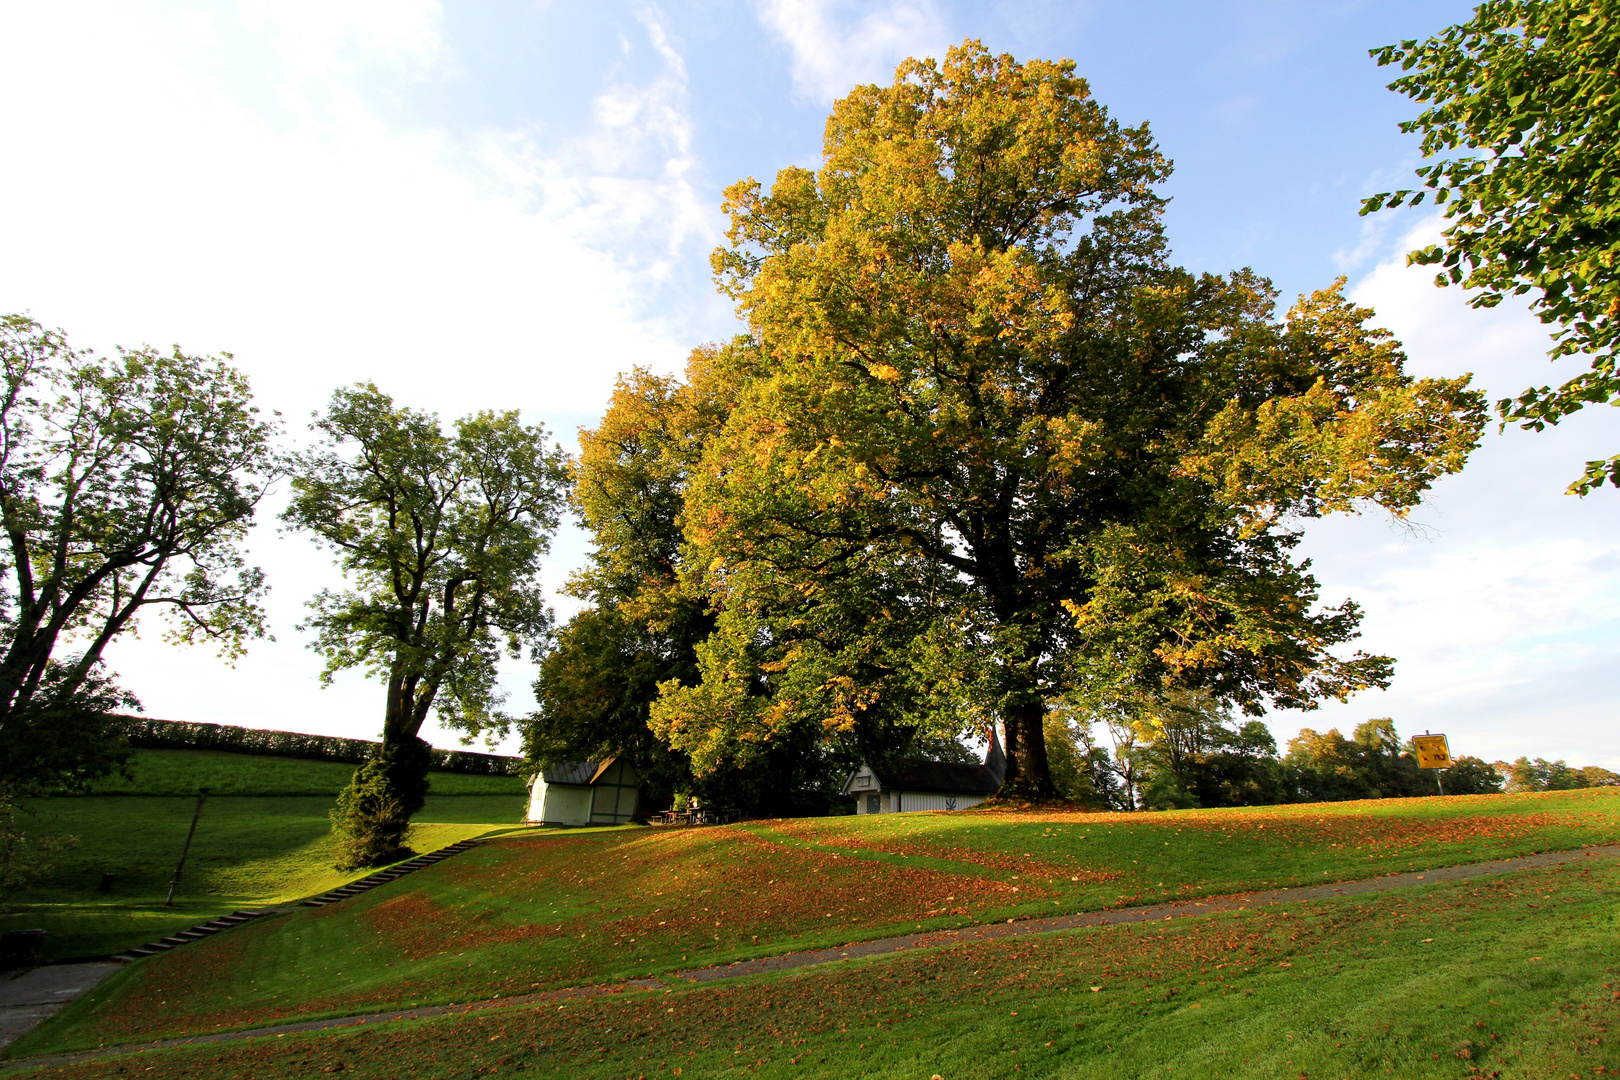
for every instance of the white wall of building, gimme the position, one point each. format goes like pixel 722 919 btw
pixel 904 802
pixel 559 804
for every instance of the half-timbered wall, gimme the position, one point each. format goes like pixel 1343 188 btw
pixel 613 794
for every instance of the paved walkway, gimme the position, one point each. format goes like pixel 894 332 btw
pixel 884 946
pixel 28 997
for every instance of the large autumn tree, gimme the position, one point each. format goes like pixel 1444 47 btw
pixel 649 615
pixel 440 535
pixel 640 626
pixel 1520 120
pixel 989 445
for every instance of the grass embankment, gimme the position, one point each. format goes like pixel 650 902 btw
pixel 266 842
pixel 538 912
pixel 1509 977
pixel 182 772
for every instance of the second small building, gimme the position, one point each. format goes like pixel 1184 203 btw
pixel 927 785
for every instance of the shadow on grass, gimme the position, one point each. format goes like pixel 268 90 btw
pixel 249 851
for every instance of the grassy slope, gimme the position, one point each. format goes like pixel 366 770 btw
pixel 529 913
pixel 268 843
pixel 182 772
pixel 1511 977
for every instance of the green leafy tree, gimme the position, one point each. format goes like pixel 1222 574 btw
pixel 1389 765
pixel 1472 776
pixel 126 484
pixel 650 615
pixel 1327 767
pixel 1539 774
pixel 1596 776
pixel 1376 764
pixel 1194 752
pixel 989 447
pixel 1082 769
pixel 1522 113
pixel 643 626
pixel 440 535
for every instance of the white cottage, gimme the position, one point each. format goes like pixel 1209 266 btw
pixel 585 793
pixel 927 785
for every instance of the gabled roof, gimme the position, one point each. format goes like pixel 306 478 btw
pixel 958 778
pixel 570 772
pixel 583 773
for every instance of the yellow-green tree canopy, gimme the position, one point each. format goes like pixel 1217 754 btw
pixel 596 683
pixel 1521 114
pixel 988 445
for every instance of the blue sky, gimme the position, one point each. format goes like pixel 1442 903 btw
pixel 505 204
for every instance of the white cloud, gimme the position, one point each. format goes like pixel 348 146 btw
pixel 241 179
pixel 316 38
pixel 1500 610
pixel 836 45
pixel 628 184
pixel 156 204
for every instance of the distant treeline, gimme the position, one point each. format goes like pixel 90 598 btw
pixel 148 734
pixel 1189 751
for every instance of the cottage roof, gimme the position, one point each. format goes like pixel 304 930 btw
pixel 952 777
pixel 570 772
pixel 946 777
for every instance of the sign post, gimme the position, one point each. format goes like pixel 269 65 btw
pixel 1433 753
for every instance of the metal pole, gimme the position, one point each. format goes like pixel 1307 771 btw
pixel 174 882
pixel 1437 782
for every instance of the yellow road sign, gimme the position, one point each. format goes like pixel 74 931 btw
pixel 1432 751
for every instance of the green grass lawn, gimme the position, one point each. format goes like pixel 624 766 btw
pixel 1510 977
pixel 182 772
pixel 266 841
pixel 535 912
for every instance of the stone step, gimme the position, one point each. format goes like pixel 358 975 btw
pixel 393 873
pixel 184 937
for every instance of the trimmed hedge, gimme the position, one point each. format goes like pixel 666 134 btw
pixel 148 734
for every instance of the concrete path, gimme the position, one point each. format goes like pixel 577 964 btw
pixel 882 947
pixel 28 997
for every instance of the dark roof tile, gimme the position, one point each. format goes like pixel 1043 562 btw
pixel 570 772
pixel 948 776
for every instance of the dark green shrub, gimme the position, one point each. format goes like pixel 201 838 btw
pixel 372 819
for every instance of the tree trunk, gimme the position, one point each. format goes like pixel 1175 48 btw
pixel 1028 773
pixel 373 815
pixel 406 756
